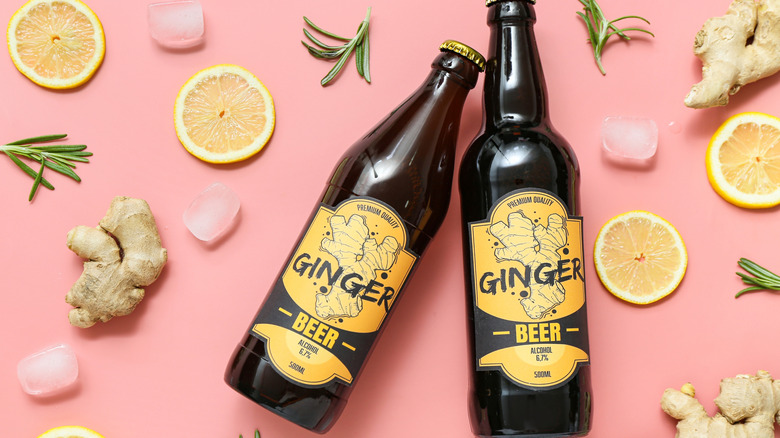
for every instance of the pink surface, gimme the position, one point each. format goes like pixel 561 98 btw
pixel 158 372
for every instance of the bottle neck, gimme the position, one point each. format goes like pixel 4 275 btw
pixel 515 91
pixel 458 69
pixel 434 109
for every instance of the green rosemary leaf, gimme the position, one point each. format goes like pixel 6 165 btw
pixel 589 26
pixel 79 159
pixel 39 139
pixel 336 68
pixel 62 161
pixel 65 160
pixel 753 267
pixel 37 182
pixel 746 278
pixel 359 55
pixel 366 51
pixel 321 53
pixel 747 289
pixel 57 167
pixel 626 37
pixel 58 147
pixel 80 154
pixel 320 43
pixel 629 16
pixel 323 31
pixel 21 164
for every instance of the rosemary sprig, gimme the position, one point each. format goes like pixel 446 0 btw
pixel 257 434
pixel 600 29
pixel 759 279
pixel 59 158
pixel 358 44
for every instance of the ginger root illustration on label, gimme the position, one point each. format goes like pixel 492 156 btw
pixel 359 256
pixel 124 255
pixel 532 245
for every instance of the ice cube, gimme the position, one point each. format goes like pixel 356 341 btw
pixel 212 212
pixel 176 24
pixel 48 371
pixel 630 137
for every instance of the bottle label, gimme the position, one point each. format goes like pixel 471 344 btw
pixel 529 290
pixel 325 311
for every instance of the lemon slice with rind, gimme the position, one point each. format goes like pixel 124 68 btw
pixel 70 432
pixel 743 160
pixel 56 43
pixel 224 114
pixel 640 257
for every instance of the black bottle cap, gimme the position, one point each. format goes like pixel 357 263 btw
pixel 490 2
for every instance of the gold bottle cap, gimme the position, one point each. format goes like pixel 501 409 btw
pixel 490 2
pixel 465 51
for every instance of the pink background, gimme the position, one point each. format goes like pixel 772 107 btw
pixel 158 372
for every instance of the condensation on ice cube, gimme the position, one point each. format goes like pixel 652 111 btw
pixel 176 24
pixel 212 212
pixel 630 137
pixel 48 371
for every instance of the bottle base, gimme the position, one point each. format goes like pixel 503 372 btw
pixel 500 408
pixel 544 435
pixel 512 434
pixel 252 376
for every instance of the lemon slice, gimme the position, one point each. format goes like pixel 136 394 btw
pixel 56 43
pixel 639 257
pixel 743 160
pixel 224 114
pixel 70 432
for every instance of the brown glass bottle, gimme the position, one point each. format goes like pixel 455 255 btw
pixel 333 296
pixel 519 164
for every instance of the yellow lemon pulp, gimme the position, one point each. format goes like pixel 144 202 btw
pixel 743 160
pixel 56 43
pixel 640 257
pixel 224 114
pixel 70 432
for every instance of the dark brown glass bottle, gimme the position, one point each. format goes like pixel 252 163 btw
pixel 385 200
pixel 523 256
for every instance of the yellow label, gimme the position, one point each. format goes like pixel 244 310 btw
pixel 302 357
pixel 337 289
pixel 529 289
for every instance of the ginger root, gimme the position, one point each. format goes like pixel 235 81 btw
pixel 124 254
pixel 748 408
pixel 736 49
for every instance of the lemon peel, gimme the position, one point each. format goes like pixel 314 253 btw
pixel 70 432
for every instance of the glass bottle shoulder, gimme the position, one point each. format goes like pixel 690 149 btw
pixel 518 147
pixel 500 161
